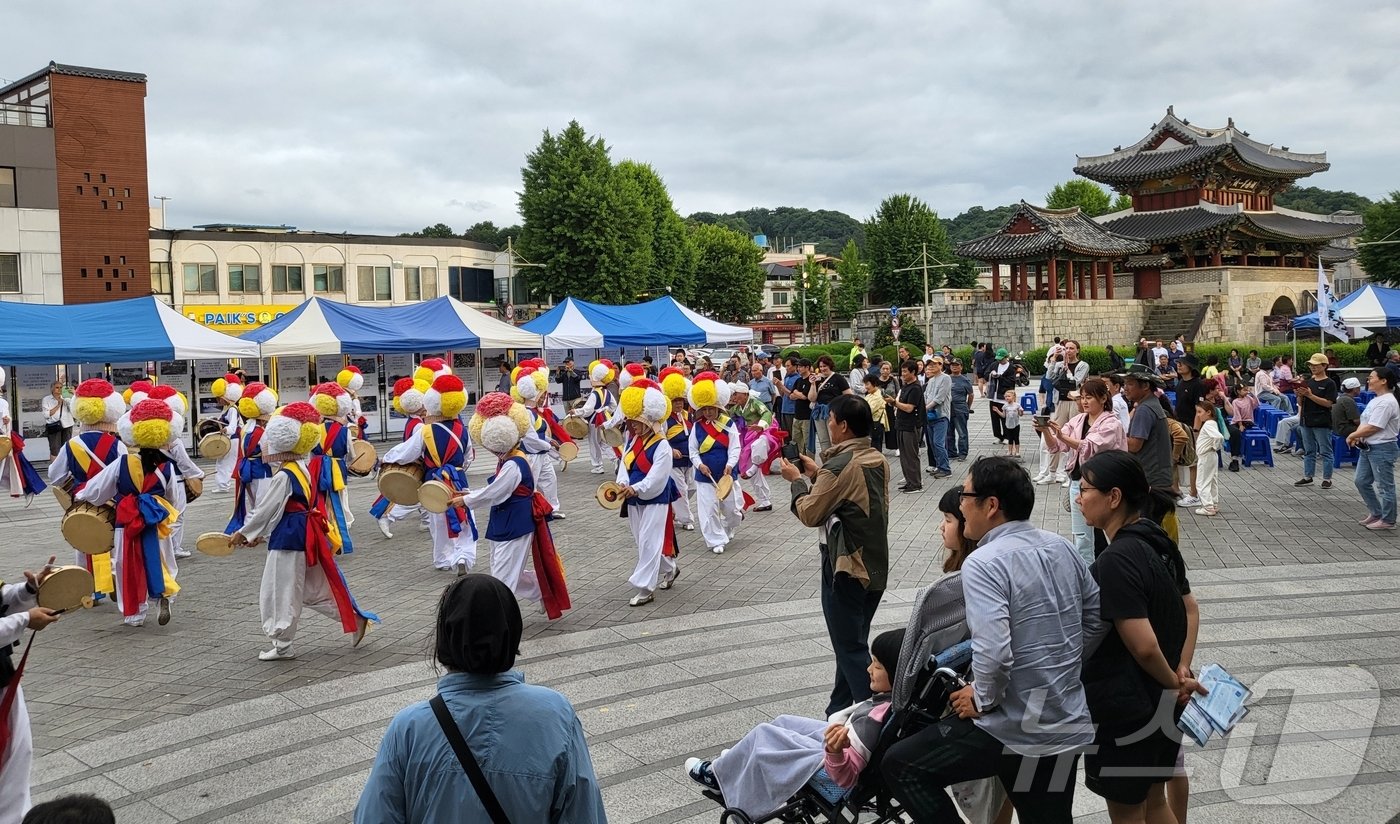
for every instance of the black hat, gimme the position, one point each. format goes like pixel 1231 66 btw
pixel 885 649
pixel 1142 372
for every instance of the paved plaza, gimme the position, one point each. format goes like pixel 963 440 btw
pixel 183 724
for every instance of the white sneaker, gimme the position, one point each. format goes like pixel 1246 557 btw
pixel 1044 480
pixel 462 568
pixel 1066 483
pixel 718 550
pixel 277 654
pixel 1039 476
pixel 597 470
pixel 1062 479
pixel 384 527
pixel 1188 500
pixel 181 552
pixel 640 599
pixel 688 527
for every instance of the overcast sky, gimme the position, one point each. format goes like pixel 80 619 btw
pixel 394 115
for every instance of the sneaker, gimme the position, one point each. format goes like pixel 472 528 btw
pixel 361 627
pixel 597 470
pixel 1282 450
pixel 1038 477
pixel 942 473
pixel 1379 524
pixel 913 490
pixel 1188 500
pixel 671 581
pixel 764 508
pixel 1368 520
pixel 1207 510
pixel 462 568
pixel 1326 483
pixel 277 654
pixel 641 599
pixel 558 516
pixel 1044 480
pixel 700 772
pixel 718 550
pixel 164 617
pixel 930 470
pixel 1234 465
pixel 181 552
pixel 896 453
pixel 1062 478
pixel 1065 484
pixel 384 527
pixel 139 621
pixel 1302 482
pixel 688 527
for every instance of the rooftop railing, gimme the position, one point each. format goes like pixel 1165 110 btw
pixel 19 114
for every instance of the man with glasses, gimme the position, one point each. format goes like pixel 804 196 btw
pixel 1033 612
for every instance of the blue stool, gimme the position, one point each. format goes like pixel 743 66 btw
pixel 1028 403
pixel 1366 396
pixel 1341 453
pixel 1257 447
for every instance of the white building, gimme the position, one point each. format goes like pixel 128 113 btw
pixel 234 278
pixel 31 268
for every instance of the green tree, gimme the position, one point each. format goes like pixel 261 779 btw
pixel 486 232
pixel 827 229
pixel 1321 201
pixel 727 263
pixel 1086 194
pixel 1121 203
pixel 814 292
pixel 1382 262
pixel 853 281
pixel 976 222
pixel 582 221
pixel 436 230
pixel 894 239
pixel 672 255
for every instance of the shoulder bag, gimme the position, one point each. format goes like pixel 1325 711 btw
pixel 468 761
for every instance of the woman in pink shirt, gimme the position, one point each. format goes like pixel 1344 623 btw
pixel 1083 436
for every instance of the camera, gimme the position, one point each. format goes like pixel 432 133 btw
pixel 790 452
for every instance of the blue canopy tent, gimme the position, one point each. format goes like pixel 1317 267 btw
pixel 139 329
pixel 1370 307
pixel 323 327
pixel 662 322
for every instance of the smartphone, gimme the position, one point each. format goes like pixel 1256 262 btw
pixel 790 452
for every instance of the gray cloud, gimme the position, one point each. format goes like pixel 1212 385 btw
pixel 394 116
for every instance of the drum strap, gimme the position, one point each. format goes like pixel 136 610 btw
pixel 714 434
pixel 7 698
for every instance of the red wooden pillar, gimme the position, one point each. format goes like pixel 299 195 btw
pixel 1083 280
pixel 1054 279
pixel 1108 279
pixel 1094 280
pixel 1022 273
pixel 1215 256
pixel 1039 279
pixel 996 280
pixel 1069 280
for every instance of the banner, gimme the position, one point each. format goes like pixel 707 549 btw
pixel 1327 319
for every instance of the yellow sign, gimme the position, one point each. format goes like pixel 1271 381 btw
pixel 235 318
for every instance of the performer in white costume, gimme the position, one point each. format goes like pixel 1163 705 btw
pixel 675 385
pixel 185 469
pixel 226 391
pixel 647 489
pixel 19 611
pixel 408 400
pixel 714 450
pixel 597 410
pixel 97 409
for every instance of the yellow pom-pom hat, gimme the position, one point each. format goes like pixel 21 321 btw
pixel 294 430
pixel 350 378
pixel 529 384
pixel 229 387
pixel 137 392
pixel 408 395
pixel 602 372
pixel 644 401
pixel 498 423
pixel 708 390
pixel 430 369
pixel 629 373
pixel 331 400
pixel 258 401
pixel 446 397
pixel 98 403
pixel 674 383
pixel 150 424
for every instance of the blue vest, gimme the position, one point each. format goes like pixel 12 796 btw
pixel 635 474
pixel 679 438
pixel 515 517
pixel 716 456
pixel 289 535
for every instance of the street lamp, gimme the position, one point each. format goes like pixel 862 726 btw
pixel 925 266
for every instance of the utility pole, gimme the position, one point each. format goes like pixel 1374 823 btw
pixel 162 199
pixel 923 264
pixel 509 309
pixel 805 337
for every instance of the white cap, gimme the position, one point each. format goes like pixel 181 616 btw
pixel 1350 384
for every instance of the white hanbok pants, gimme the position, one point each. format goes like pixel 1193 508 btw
pixel 597 450
pixel 447 550
pixel 179 500
pixel 718 519
pixel 680 476
pixel 167 557
pixel 288 585
pixel 508 560
pixel 14 775
pixel 223 470
pixel 397 512
pixel 546 480
pixel 648 525
pixel 762 496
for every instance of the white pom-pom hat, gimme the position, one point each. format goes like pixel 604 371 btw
pixel 229 387
pixel 499 423
pixel 331 400
pixel 644 401
pixel 601 371
pixel 629 373
pixel 98 403
pixel 295 430
pixel 708 390
pixel 258 401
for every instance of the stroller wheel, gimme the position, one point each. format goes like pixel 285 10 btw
pixel 733 816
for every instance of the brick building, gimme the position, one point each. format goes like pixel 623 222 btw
pixel 73 163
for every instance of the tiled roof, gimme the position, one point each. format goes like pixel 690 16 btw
pixel 1148 261
pixel 1332 253
pixel 1273 225
pixel 1191 147
pixel 75 71
pixel 1067 231
pixel 1175 224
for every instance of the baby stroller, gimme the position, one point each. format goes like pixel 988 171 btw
pixel 823 800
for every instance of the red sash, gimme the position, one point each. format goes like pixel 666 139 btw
pixel 320 551
pixel 554 428
pixel 332 433
pixel 720 435
pixel 7 701
pixel 549 569
pixel 638 453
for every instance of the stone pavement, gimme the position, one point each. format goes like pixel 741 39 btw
pixel 182 723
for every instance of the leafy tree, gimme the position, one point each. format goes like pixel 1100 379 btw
pixel 815 292
pixel 1121 203
pixel 436 230
pixel 911 334
pixel 1086 194
pixel 672 255
pixel 962 277
pixel 1382 262
pixel 976 222
pixel 727 267
pixel 826 228
pixel 582 221
pixel 1321 201
pixel 895 237
pixel 853 281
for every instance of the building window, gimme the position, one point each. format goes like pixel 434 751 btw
pixel 375 283
pixel 108 284
pixel 80 188
pixel 471 285
pixel 111 192
pixel 201 278
pixel 94 190
pixel 327 278
pixel 781 298
pixel 419 282
pixel 106 258
pixel 9 273
pixel 104 178
pixel 87 177
pixel 123 286
pixel 120 206
pixel 126 193
pixel 7 187
pixel 161 282
pixel 104 204
pixel 286 279
pixel 121 259
pixel 243 279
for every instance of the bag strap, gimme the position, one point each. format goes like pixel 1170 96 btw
pixel 468 761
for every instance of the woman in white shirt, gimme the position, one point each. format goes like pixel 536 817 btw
pixel 58 417
pixel 1376 437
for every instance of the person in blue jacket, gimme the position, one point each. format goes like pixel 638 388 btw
pixel 527 738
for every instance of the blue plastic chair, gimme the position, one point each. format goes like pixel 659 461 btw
pixel 1257 446
pixel 1341 453
pixel 1029 404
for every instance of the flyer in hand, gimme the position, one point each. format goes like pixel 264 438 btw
pixel 1218 711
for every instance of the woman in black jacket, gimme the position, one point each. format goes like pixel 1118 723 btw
pixel 1140 675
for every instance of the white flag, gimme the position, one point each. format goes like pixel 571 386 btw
pixel 1326 315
